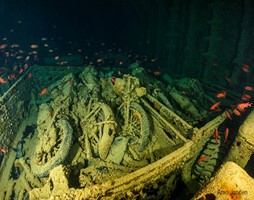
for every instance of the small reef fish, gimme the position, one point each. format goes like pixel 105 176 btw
pixel 216 135
pixel 56 57
pixel 222 94
pixel 62 62
pixel 214 106
pixel 27 58
pixel 113 80
pixel 2 80
pixel 246 68
pixel 245 97
pixel 34 46
pixel 228 115
pixel 248 88
pixel 15 68
pixel 19 57
pixel 34 52
pixel 11 76
pixel 29 75
pixel 44 91
pixel 3 46
pixel 21 70
pixel 99 60
pixel 236 112
pixel 242 106
pixel 4 151
pixel 226 135
pixel 26 66
pixel 218 110
pixel 157 73
pixel 202 158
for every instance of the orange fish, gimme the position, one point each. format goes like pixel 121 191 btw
pixel 3 46
pixel 228 115
pixel 99 60
pixel 3 150
pixel 214 106
pixel 15 67
pixel 248 88
pixel 11 76
pixel 29 75
pixel 202 158
pixel 242 106
pixel 44 91
pixel 222 94
pixel 157 73
pixel 62 62
pixel 236 112
pixel 226 135
pixel 216 135
pixel 26 66
pixel 113 80
pixel 245 97
pixel 217 110
pixel 34 46
pixel 246 68
pixel 2 80
pixel 21 70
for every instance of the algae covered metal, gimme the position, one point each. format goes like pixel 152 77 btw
pixel 133 136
